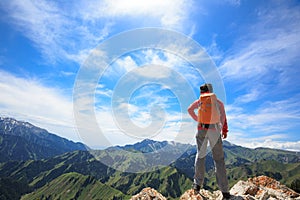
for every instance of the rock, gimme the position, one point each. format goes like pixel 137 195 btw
pixel 148 194
pixel 244 188
pixel 206 195
pixel 263 187
pixel 191 195
pixel 257 188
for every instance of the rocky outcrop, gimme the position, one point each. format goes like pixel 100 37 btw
pixel 263 187
pixel 258 188
pixel 148 194
pixel 202 195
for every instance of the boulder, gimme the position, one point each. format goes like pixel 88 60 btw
pixel 148 194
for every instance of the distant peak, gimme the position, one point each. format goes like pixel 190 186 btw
pixel 148 141
pixel 11 122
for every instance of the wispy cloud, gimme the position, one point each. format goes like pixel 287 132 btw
pixel 268 125
pixel 29 100
pixel 158 64
pixel 153 109
pixel 176 127
pixel 270 45
pixel 264 57
pixel 53 29
pixel 234 2
pixel 69 31
pixel 260 63
pixel 276 141
pixel 253 95
pixel 168 13
pixel 270 117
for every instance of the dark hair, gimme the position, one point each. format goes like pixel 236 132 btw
pixel 207 87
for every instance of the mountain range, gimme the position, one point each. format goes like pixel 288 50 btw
pixel 40 164
pixel 23 141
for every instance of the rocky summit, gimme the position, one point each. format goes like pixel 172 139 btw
pixel 148 194
pixel 263 187
pixel 257 188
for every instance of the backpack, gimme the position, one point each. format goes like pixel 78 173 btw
pixel 208 110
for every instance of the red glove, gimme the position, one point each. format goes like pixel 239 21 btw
pixel 224 134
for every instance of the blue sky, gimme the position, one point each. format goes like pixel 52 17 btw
pixel 254 46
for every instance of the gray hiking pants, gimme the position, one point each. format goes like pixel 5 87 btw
pixel 215 141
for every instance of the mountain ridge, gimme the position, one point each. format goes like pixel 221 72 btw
pixel 73 185
pixel 23 141
pixel 36 172
pixel 77 186
pixel 39 173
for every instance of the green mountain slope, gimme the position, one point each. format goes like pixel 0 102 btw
pixel 286 173
pixel 236 156
pixel 142 156
pixel 170 180
pixel 38 173
pixel 75 186
pixel 167 180
pixel 12 189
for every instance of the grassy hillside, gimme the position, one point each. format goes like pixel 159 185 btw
pixel 12 189
pixel 171 181
pixel 75 186
pixel 168 181
pixel 236 156
pixel 286 173
pixel 40 173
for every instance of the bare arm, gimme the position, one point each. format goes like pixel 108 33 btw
pixel 191 109
pixel 223 119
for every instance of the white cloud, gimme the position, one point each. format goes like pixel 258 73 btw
pixel 69 30
pixel 45 107
pixel 128 63
pixel 253 95
pixel 145 114
pixel 168 13
pixel 276 141
pixel 102 91
pixel 270 118
pixel 263 63
pixel 113 128
pixel 40 21
pixel 153 63
pixel 272 125
pixel 234 2
pixel 53 29
pixel 159 64
pixel 269 46
pixel 144 105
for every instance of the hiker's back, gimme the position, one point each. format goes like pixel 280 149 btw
pixel 208 111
